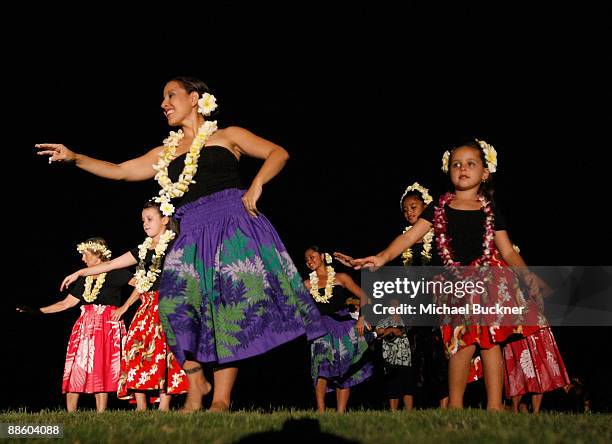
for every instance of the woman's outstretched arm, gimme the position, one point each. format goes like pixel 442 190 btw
pixel 137 169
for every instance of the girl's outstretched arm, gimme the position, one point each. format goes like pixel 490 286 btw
pixel 393 250
pixel 66 303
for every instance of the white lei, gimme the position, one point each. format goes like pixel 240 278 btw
pixel 171 190
pixel 90 295
pixel 426 252
pixel 329 286
pixel 146 278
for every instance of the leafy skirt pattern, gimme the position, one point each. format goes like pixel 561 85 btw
pixel 229 289
pixel 93 358
pixel 147 362
pixel 341 355
pixel 534 365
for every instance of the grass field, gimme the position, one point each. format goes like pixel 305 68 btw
pixel 294 427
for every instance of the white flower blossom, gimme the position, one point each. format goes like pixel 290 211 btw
pixel 207 104
pixel 445 161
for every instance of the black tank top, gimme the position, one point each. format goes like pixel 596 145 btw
pixel 336 303
pixel 217 171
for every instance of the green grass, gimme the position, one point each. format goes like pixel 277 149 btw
pixel 379 427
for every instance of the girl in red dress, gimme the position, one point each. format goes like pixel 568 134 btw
pixel 533 365
pixel 468 229
pixel 147 365
pixel 93 358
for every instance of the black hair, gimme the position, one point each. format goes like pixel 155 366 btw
pixel 193 84
pixel 318 249
pixel 413 193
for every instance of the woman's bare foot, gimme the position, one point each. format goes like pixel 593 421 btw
pixel 218 407
pixel 198 388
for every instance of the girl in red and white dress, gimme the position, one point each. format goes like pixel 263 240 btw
pixel 147 366
pixel 93 358
pixel 533 365
pixel 468 228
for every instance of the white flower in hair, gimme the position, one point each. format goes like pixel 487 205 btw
pixel 328 258
pixel 207 104
pixel 166 208
pixel 445 161
pixel 490 155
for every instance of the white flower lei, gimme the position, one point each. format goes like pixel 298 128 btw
pixel 90 295
pixel 146 278
pixel 329 286
pixel 171 190
pixel 426 252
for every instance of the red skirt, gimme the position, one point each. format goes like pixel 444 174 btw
pixel 488 330
pixel 534 365
pixel 147 363
pixel 93 358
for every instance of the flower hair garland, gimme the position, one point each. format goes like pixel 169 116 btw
pixel 424 192
pixel 146 278
pixel 490 155
pixel 94 247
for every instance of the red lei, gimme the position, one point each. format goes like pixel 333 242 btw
pixel 443 240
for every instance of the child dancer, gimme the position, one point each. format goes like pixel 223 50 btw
pixel 147 365
pixel 468 228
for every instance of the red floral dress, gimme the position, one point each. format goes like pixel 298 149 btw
pixel 147 362
pixel 501 289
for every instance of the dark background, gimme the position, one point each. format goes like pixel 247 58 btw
pixel 365 99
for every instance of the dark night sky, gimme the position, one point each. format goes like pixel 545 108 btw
pixel 365 101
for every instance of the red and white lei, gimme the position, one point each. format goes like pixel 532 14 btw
pixel 443 241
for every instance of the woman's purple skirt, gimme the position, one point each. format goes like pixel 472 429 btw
pixel 341 355
pixel 229 289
